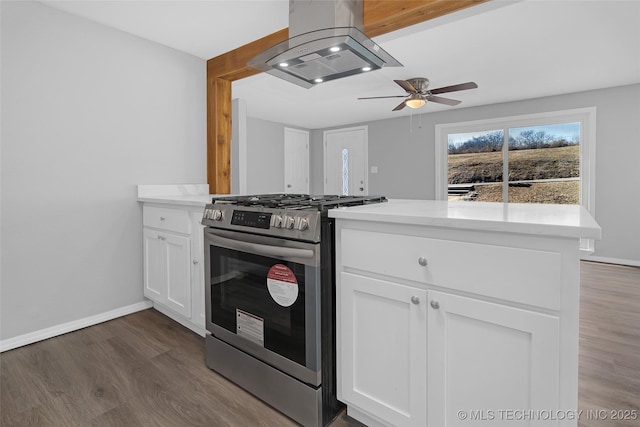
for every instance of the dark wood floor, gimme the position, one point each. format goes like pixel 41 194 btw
pixel 146 370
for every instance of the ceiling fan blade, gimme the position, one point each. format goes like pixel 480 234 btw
pixel 399 107
pixel 453 88
pixel 380 97
pixel 406 86
pixel 441 100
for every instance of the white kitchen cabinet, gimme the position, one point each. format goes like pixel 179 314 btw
pixel 435 320
pixel 485 357
pixel 167 266
pixel 408 355
pixel 383 349
pixel 173 265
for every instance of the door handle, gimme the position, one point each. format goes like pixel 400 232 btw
pixel 264 250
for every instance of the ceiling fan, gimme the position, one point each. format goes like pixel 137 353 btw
pixel 418 93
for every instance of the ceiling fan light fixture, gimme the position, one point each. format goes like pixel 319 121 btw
pixel 415 101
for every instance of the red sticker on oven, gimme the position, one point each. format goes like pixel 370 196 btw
pixel 282 285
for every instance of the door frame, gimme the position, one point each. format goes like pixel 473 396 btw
pixel 364 128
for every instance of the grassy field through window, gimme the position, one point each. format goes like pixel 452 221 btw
pixel 540 175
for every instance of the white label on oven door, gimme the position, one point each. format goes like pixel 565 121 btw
pixel 282 285
pixel 250 327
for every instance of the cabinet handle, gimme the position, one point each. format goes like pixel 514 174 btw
pixel 195 262
pixel 161 237
pixel 435 304
pixel 415 299
pixel 162 218
pixel 422 261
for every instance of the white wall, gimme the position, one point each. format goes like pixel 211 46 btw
pixel 265 156
pixel 87 114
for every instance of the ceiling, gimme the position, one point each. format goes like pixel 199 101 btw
pixel 513 50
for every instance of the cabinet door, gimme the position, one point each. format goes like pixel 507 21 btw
pixel 155 282
pixel 485 358
pixel 382 349
pixel 197 277
pixel 178 267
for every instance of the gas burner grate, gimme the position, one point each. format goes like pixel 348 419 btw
pixel 267 200
pixel 299 201
pixel 346 201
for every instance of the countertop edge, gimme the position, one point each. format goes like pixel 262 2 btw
pixel 418 213
pixel 193 201
pixel 189 195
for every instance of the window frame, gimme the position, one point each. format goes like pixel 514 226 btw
pixel 585 116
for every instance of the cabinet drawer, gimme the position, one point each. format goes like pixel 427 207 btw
pixel 166 219
pixel 521 275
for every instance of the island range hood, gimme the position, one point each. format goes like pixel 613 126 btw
pixel 325 43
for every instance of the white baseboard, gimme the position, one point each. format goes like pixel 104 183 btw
pixel 43 334
pixel 608 260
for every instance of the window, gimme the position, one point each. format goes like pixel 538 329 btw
pixel 531 164
pixel 538 158
pixel 345 172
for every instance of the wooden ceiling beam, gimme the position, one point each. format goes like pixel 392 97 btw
pixel 384 16
pixel 379 16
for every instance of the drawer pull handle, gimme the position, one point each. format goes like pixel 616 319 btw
pixel 415 300
pixel 435 304
pixel 162 218
pixel 422 261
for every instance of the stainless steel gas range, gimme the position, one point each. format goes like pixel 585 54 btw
pixel 270 298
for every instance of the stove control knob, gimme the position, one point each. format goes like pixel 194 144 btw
pixel 276 221
pixel 301 223
pixel 216 215
pixel 287 222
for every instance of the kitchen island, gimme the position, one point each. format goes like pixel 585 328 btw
pixel 454 313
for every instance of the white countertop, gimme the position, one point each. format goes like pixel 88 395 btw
pixel 540 219
pixel 179 195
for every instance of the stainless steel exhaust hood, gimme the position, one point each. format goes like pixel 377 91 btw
pixel 325 43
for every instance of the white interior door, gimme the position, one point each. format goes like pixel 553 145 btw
pixel 296 161
pixel 345 161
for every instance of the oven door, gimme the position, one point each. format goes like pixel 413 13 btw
pixel 263 297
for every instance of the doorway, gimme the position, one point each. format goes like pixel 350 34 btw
pixel 296 161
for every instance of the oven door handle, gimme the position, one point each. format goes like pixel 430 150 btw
pixel 259 249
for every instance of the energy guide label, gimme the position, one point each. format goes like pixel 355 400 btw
pixel 250 327
pixel 282 285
